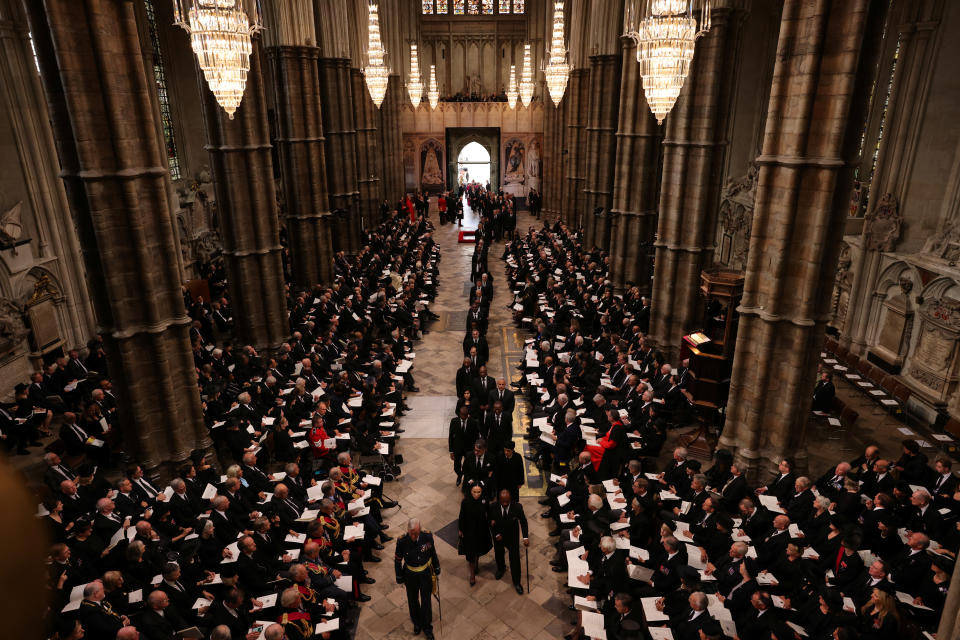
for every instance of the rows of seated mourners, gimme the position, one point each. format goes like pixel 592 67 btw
pixel 865 550
pixel 270 532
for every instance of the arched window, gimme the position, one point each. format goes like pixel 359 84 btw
pixel 473 164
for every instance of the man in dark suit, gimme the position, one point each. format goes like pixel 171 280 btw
pixel 507 522
pixel 478 341
pixel 688 623
pixel 758 623
pixel 460 438
pixel 508 470
pixel 465 377
pixel 160 621
pixel 478 469
pixel 824 393
pixel 877 480
pixel 483 385
pixel 800 505
pixel 504 395
pixel 755 520
pixel 781 487
pixel 56 472
pixel 733 490
pixel 230 612
pixel 499 428
pixel 943 484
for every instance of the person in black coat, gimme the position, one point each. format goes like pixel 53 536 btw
pixel 688 623
pixel 504 395
pixel 460 438
pixel 824 393
pixel 508 470
pixel 757 624
pixel 160 621
pixel 507 523
pixel 478 469
pixel 474 529
pixel 464 377
pixel 783 486
pixel 498 427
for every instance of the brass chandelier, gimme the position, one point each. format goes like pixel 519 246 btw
pixel 376 72
pixel 433 93
pixel 512 92
pixel 415 85
pixel 220 32
pixel 526 78
pixel 557 70
pixel 666 33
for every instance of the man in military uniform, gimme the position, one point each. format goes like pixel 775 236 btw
pixel 417 566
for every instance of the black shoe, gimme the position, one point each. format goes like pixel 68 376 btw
pixel 428 635
pixel 413 389
pixel 459 480
pixel 546 514
pixel 556 563
pixel 36 443
pixel 500 573
pixel 22 452
pixel 377 546
pixel 416 631
pixel 555 532
pixel 366 580
pixel 362 597
pixel 385 538
pixel 371 558
pixel 384 527
pixel 389 504
pixel 557 569
pixel 518 588
pixel 544 501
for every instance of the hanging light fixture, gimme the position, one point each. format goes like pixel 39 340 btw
pixel 526 78
pixel 220 32
pixel 557 70
pixel 665 32
pixel 512 93
pixel 415 85
pixel 376 72
pixel 433 94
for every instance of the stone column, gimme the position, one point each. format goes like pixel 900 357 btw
pixel 118 186
pixel 825 59
pixel 577 96
pixel 636 180
pixel 551 156
pixel 242 166
pixel 694 146
pixel 601 146
pixel 391 143
pixel 368 148
pixel 336 96
pixel 303 169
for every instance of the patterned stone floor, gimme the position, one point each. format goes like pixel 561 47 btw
pixel 426 489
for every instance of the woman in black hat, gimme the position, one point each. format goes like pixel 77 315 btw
pixel 474 531
pixel 933 590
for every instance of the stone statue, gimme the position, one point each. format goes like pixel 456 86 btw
pixel 533 159
pixel 13 330
pixel 10 224
pixel 883 224
pixel 431 174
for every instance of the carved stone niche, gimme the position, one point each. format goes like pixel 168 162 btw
pixel 934 362
pixel 896 327
pixel 736 219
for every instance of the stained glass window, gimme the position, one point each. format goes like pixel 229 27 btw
pixel 473 7
pixel 442 6
pixel 518 6
pixel 504 6
pixel 160 77
pixel 883 114
pixel 428 6
pixel 458 7
pixel 486 6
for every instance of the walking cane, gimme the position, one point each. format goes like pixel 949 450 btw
pixel 439 607
pixel 527 550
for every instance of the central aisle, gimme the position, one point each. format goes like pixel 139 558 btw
pixel 427 489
